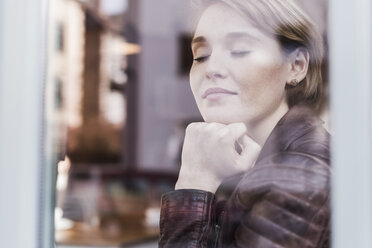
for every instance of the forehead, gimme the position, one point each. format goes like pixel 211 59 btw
pixel 220 18
pixel 219 22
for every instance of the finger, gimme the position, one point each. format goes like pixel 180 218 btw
pixel 248 142
pixel 237 130
pixel 194 126
pixel 238 147
pixel 214 126
pixel 250 150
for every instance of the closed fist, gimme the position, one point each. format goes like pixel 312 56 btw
pixel 213 152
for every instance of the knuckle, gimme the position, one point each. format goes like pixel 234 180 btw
pixel 223 134
pixel 254 146
pixel 211 126
pixel 210 129
pixel 238 127
pixel 192 128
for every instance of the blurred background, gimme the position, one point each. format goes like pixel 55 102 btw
pixel 118 101
pixel 94 101
pixel 117 104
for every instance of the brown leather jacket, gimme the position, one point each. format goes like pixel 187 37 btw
pixel 283 201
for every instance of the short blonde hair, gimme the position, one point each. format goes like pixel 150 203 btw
pixel 293 28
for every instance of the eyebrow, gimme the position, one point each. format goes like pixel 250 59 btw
pixel 199 39
pixel 242 35
pixel 229 36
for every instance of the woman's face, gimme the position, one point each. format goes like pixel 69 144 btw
pixel 239 72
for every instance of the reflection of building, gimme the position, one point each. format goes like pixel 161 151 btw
pixel 101 84
pixel 86 76
pixel 65 67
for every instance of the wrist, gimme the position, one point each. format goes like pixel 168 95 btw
pixel 205 184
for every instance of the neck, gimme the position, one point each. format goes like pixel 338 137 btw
pixel 260 130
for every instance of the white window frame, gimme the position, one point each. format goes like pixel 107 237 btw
pixel 26 206
pixel 350 42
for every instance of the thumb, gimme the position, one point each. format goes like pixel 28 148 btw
pixel 250 150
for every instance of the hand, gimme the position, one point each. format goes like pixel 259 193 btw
pixel 209 155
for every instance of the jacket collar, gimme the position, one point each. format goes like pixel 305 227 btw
pixel 298 121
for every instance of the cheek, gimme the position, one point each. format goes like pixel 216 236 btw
pixel 260 80
pixel 195 79
pixel 192 77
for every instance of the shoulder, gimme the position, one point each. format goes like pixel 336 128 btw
pixel 294 165
pixel 287 173
pixel 295 158
pixel 314 144
pixel 285 200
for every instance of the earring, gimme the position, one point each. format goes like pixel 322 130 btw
pixel 294 82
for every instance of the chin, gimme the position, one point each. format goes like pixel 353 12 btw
pixel 221 118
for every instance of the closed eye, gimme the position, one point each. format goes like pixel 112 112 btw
pixel 202 58
pixel 239 53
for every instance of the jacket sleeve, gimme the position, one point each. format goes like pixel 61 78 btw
pixel 283 202
pixel 186 218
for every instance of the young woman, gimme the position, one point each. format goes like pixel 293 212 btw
pixel 256 80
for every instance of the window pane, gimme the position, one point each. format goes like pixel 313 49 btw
pixel 121 96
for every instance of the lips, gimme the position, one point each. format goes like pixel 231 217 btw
pixel 217 91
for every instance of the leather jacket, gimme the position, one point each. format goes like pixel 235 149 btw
pixel 283 201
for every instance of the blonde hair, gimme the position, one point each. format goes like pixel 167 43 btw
pixel 286 21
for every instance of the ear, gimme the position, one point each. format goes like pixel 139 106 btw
pixel 299 64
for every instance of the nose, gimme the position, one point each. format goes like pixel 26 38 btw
pixel 216 68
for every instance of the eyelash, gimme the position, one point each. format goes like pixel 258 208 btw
pixel 201 59
pixel 238 54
